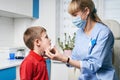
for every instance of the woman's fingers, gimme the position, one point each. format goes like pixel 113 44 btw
pixel 49 54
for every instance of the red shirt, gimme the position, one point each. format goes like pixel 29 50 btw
pixel 33 68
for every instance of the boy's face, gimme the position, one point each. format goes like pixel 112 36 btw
pixel 45 41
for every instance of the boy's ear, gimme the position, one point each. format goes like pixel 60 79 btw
pixel 37 42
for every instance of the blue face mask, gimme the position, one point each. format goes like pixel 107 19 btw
pixel 79 22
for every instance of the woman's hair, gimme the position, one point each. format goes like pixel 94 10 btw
pixel 31 34
pixel 80 5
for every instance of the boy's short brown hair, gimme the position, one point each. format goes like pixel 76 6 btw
pixel 32 33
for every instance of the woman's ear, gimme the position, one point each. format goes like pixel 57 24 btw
pixel 87 11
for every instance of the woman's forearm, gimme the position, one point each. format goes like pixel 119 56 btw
pixel 74 63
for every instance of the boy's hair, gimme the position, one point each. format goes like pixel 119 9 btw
pixel 31 34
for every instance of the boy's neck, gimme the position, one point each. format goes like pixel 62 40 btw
pixel 38 52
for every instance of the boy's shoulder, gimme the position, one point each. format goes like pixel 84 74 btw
pixel 27 60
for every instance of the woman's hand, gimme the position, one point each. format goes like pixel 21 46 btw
pixel 54 54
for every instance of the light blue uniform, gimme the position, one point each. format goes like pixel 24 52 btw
pixel 95 53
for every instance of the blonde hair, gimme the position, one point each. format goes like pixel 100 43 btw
pixel 80 5
pixel 31 34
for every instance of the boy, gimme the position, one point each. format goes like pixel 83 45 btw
pixel 34 66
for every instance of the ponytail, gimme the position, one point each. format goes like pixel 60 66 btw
pixel 95 17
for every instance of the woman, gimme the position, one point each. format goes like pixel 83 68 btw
pixel 94 42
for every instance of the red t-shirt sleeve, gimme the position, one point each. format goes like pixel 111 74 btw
pixel 26 70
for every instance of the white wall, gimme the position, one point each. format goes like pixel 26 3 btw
pixel 20 25
pixel 47 17
pixel 108 9
pixel 112 10
pixel 6 31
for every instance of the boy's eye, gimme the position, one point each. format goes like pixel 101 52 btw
pixel 46 36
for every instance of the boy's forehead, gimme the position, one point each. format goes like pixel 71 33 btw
pixel 44 34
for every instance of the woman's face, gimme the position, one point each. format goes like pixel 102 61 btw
pixel 45 41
